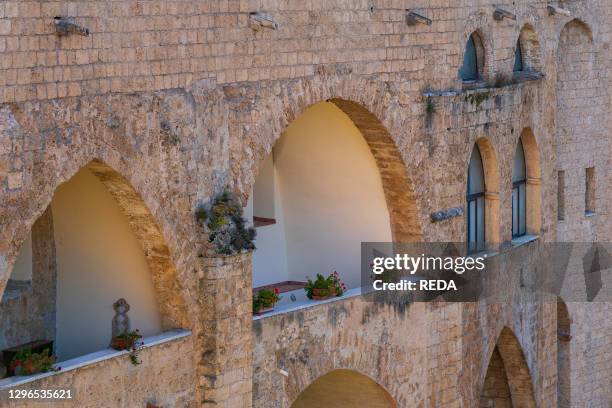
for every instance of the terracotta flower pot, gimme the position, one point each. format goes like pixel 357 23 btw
pixel 322 294
pixel 118 343
pixel 264 310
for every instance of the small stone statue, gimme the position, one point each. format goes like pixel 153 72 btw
pixel 121 321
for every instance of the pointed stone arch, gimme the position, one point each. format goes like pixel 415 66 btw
pixel 492 186
pixel 169 296
pixel 578 95
pixel 530 48
pixel 401 203
pixel 507 382
pixel 156 251
pixel 344 388
pixel 365 102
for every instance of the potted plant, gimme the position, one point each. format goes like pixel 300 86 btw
pixel 38 346
pixel 264 300
pixel 325 287
pixel 27 362
pixel 338 284
pixel 129 340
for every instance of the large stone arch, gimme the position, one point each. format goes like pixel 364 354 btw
pixel 342 388
pixel 506 363
pixel 58 138
pixel 366 102
pixel 144 226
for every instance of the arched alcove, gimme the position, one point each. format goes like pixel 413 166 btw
pixel 344 389
pixel 95 243
pixel 529 46
pixel 579 96
pixel 332 180
pixel 318 195
pixel 507 382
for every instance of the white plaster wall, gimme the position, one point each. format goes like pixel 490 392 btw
pixel 331 192
pixel 270 258
pixel 22 270
pixel 99 260
pixel 264 190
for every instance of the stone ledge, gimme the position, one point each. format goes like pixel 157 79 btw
pixel 93 358
pixel 310 303
pixel 484 87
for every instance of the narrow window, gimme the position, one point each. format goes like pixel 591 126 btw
pixel 469 70
pixel 518 58
pixel 589 194
pixel 561 195
pixel 519 193
pixel 476 203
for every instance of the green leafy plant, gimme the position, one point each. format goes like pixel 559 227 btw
pixel 129 340
pixel 477 98
pixel 27 363
pixel 227 229
pixel 325 286
pixel 265 299
pixel 430 107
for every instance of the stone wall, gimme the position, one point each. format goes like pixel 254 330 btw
pixel 224 347
pixel 29 314
pixel 423 354
pixel 180 98
pixel 165 378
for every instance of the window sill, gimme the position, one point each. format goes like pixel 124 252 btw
pixel 480 86
pixel 92 358
pixel 514 243
pixel 473 85
pixel 525 239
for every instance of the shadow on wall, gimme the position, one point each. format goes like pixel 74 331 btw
pixel 99 260
pixel 86 241
pixel 322 194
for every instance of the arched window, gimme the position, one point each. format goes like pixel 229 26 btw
pixel 518 58
pixel 476 203
pixel 469 70
pixel 472 69
pixel 519 193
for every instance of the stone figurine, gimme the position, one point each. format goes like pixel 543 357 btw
pixel 121 321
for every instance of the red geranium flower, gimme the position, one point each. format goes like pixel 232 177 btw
pixel 16 363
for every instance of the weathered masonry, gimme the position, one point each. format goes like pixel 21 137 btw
pixel 334 122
